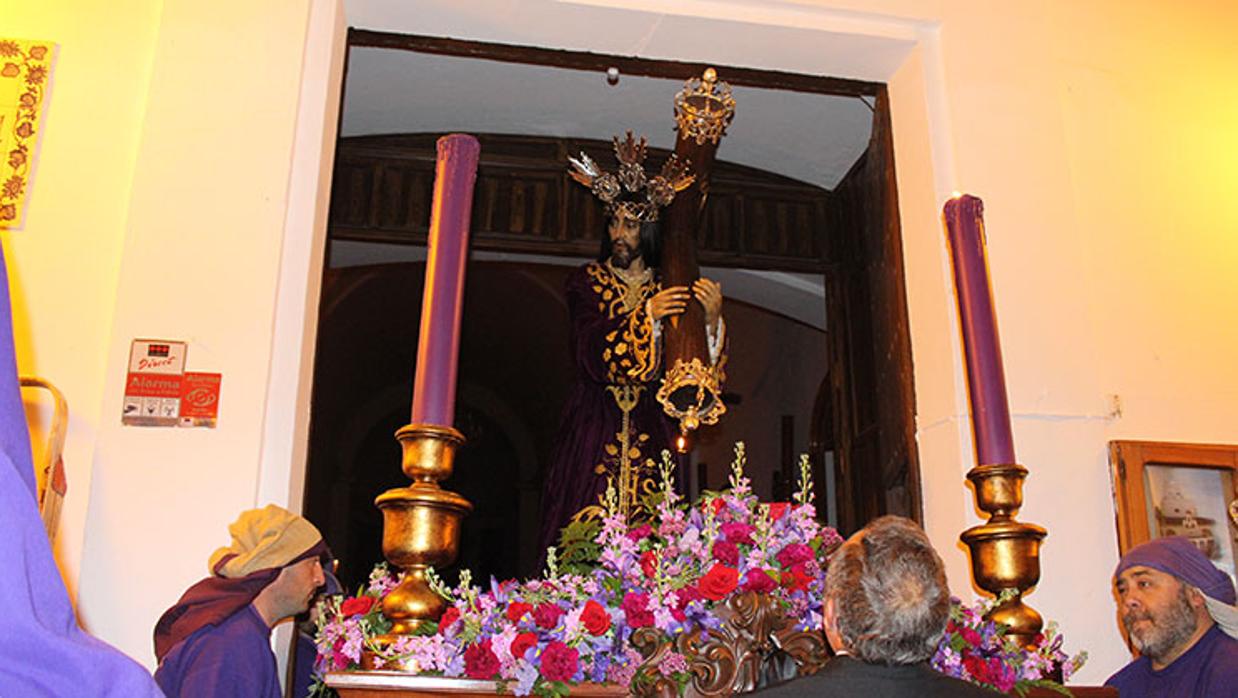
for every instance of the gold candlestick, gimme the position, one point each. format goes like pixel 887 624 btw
pixel 1005 554
pixel 421 524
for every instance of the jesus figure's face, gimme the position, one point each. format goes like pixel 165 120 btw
pixel 624 241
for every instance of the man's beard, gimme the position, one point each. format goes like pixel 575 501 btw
pixel 622 255
pixel 1167 630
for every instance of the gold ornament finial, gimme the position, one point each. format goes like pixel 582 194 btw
pixel 704 108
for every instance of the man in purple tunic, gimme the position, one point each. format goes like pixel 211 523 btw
pixel 1179 613
pixel 216 640
pixel 43 652
pixel 612 423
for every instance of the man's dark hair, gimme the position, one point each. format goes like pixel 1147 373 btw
pixel 889 590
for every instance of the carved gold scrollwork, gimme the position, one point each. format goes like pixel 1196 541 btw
pixel 732 658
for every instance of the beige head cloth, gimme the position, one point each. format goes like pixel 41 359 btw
pixel 263 539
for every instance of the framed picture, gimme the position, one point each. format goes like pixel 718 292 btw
pixel 1173 489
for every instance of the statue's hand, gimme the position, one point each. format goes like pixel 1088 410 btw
pixel 709 294
pixel 669 301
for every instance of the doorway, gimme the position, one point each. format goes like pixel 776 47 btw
pixel 857 419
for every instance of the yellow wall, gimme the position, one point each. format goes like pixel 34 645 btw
pixel 64 263
pixel 166 205
pixel 177 195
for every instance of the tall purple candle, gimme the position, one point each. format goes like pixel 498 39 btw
pixel 985 380
pixel 438 345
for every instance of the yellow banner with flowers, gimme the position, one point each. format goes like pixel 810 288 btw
pixel 25 70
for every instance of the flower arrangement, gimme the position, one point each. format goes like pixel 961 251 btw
pixel 980 651
pixel 668 571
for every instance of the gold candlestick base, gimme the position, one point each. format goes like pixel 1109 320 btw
pixel 1005 554
pixel 421 525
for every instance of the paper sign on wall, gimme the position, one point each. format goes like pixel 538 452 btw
pixel 200 399
pixel 159 393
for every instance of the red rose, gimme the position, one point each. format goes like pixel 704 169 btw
pixel 796 579
pixel 480 661
pixel 517 609
pixel 546 615
pixel 636 610
pixel 595 618
pixel 738 533
pixel 719 581
pixel 648 563
pixel 522 643
pixel 777 510
pixel 717 504
pixel 759 581
pixel 559 662
pixel 451 615
pixel 726 552
pixel 794 554
pixel 358 606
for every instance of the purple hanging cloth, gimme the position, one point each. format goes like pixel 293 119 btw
pixel 43 652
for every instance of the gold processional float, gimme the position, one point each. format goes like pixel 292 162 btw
pixel 421 522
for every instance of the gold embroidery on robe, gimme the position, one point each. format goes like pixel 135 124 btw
pixel 629 354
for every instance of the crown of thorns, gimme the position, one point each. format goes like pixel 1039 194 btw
pixel 652 192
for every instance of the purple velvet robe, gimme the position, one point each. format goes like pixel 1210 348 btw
pixel 1208 670
pixel 43 652
pixel 233 658
pixel 613 346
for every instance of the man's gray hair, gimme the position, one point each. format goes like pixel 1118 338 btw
pixel 889 590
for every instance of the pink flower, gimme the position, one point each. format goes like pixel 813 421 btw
pixel 559 662
pixel 726 552
pixel 640 532
pixel 971 636
pixel 636 610
pixel 480 661
pixel 759 581
pixel 738 533
pixel 685 596
pixel 546 615
pixel 794 554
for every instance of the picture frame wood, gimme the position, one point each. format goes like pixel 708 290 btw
pixel 1164 488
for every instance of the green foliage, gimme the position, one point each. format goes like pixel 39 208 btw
pixel 578 548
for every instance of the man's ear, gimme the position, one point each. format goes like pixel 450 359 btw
pixel 829 613
pixel 1195 597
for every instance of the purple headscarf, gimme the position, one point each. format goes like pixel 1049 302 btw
pixel 1179 557
pixel 43 652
